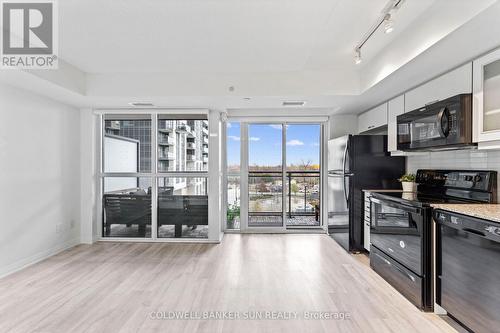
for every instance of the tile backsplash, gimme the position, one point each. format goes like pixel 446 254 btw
pixel 456 160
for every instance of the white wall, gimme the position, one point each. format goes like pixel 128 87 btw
pixel 39 178
pixel 342 125
pixel 456 160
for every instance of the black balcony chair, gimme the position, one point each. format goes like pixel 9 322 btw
pixel 133 208
pixel 179 210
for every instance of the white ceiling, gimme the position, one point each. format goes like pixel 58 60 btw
pixel 200 36
pixel 106 36
pixel 189 52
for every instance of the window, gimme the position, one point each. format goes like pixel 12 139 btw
pixel 127 145
pixel 182 144
pixel 178 177
pixel 182 207
pixel 127 207
pixel 182 201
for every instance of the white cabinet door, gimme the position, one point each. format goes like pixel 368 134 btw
pixel 396 106
pixel 486 102
pixel 373 118
pixel 458 81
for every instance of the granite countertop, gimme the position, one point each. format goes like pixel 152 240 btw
pixel 483 211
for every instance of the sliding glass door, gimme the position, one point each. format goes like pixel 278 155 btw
pixel 273 176
pixel 265 175
pixel 303 177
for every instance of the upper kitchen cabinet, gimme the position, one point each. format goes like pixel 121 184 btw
pixel 374 118
pixel 395 107
pixel 458 81
pixel 486 102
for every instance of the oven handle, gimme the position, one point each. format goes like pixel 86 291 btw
pixel 396 267
pixel 396 205
pixel 488 231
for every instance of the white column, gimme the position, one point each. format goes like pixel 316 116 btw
pixel 88 176
pixel 214 176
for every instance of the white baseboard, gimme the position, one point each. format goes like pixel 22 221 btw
pixel 23 263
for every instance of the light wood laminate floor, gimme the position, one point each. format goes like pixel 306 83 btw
pixel 114 287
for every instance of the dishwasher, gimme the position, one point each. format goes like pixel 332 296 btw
pixel 468 270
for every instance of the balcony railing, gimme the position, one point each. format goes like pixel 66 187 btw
pixel 166 155
pixel 165 168
pixel 165 140
pixel 183 127
pixel 303 193
pixel 302 196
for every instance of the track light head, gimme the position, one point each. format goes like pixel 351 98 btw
pixel 357 56
pixel 388 24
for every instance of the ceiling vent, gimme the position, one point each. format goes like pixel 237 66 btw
pixel 141 104
pixel 294 103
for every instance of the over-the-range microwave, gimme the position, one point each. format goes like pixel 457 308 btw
pixel 446 124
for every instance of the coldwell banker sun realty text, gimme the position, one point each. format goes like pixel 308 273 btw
pixel 29 34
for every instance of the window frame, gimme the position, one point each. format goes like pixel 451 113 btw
pixel 153 174
pixel 244 121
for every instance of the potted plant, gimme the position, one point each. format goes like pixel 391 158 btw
pixel 408 182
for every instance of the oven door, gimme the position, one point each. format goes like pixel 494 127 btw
pixel 424 128
pixel 397 230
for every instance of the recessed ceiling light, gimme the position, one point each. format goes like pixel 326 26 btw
pixel 388 24
pixel 294 103
pixel 141 104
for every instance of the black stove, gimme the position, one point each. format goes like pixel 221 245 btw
pixel 448 186
pixel 401 227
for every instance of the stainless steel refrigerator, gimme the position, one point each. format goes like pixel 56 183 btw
pixel 355 163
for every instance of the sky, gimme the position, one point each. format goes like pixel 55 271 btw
pixel 265 144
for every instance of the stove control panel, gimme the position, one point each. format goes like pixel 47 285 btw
pixel 470 180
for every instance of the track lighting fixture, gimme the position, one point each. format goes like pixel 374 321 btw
pixel 388 24
pixel 384 19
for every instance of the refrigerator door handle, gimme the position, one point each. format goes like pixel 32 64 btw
pixel 346 175
pixel 345 192
pixel 345 158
